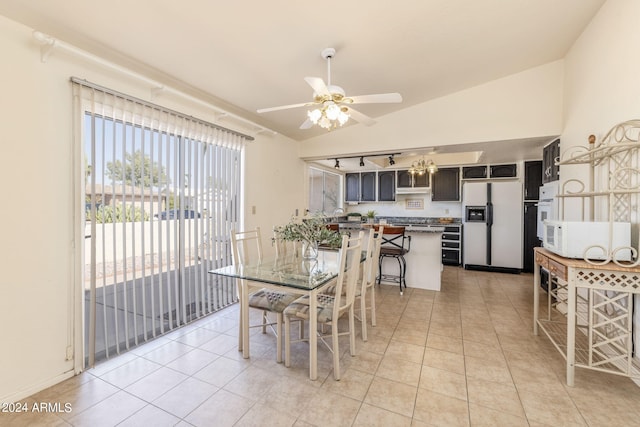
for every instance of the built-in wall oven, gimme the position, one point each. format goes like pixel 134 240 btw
pixel 547 206
pixel 547 210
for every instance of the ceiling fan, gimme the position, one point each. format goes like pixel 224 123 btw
pixel 332 106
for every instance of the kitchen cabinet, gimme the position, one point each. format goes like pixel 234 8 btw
pixel 352 187
pixel 387 186
pixel 474 172
pixel 551 171
pixel 532 179
pixel 503 171
pixel 445 185
pixel 406 180
pixel 531 240
pixel 368 187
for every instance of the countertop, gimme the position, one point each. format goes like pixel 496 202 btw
pixel 412 228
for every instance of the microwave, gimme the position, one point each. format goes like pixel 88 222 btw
pixel 577 239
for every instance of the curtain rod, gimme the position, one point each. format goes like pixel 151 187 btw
pixel 115 93
pixel 48 43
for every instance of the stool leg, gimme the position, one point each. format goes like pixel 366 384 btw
pixel 399 273
pixel 379 269
pixel 404 271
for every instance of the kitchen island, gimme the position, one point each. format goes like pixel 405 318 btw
pixel 424 260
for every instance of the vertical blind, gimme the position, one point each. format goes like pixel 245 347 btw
pixel 161 192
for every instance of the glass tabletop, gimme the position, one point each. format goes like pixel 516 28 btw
pixel 290 271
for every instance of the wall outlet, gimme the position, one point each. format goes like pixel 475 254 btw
pixel 253 210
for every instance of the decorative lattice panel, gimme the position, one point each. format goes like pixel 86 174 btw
pixel 608 280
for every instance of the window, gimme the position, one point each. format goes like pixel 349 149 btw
pixel 324 191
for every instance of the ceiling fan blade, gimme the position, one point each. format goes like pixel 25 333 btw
pixel 306 124
pixel 381 98
pixel 360 118
pixel 318 85
pixel 284 107
pixel 377 98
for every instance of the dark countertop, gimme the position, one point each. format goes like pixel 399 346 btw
pixel 414 228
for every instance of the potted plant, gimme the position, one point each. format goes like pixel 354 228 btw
pixel 311 232
pixel 371 216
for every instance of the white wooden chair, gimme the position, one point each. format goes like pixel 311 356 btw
pixel 331 307
pixel 247 247
pixel 368 280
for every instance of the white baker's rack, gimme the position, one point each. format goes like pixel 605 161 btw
pixel 614 179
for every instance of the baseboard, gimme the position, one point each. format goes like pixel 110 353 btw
pixel 492 268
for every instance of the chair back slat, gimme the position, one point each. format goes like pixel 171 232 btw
pixel 350 255
pixel 373 253
pixel 246 246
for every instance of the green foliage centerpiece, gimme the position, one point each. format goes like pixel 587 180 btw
pixel 311 232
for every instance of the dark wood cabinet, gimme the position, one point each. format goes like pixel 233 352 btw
pixel 503 171
pixel 368 187
pixel 532 179
pixel 474 172
pixel 530 238
pixel 445 185
pixel 352 187
pixel 406 180
pixel 550 171
pixel 387 186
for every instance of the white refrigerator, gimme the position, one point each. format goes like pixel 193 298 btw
pixel 493 226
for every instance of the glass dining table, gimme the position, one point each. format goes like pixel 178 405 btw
pixel 290 273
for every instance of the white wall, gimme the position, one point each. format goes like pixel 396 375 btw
pixel 602 84
pixel 40 268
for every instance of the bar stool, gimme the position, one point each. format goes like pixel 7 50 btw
pixel 395 244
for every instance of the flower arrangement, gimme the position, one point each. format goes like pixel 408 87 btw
pixel 312 230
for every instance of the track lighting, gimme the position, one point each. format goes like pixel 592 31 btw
pixel 337 165
pixel 391 161
pixel 362 161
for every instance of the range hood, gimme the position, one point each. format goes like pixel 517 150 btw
pixel 413 190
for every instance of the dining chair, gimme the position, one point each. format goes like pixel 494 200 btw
pixel 283 247
pixel 368 280
pixel 247 247
pixel 395 244
pixel 331 307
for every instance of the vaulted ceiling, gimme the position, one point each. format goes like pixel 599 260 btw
pixel 247 55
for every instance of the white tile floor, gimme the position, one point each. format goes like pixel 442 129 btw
pixel 463 356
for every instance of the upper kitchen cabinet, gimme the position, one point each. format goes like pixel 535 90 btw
pixel 387 186
pixel 352 187
pixel 532 179
pixel 445 185
pixel 550 171
pixel 503 171
pixel 474 172
pixel 368 187
pixel 360 187
pixel 406 180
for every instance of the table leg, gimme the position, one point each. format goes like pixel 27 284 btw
pixel 244 308
pixel 571 330
pixel 536 297
pixel 313 336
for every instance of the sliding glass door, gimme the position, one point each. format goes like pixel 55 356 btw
pixel 161 194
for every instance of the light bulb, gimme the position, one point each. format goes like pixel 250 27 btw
pixel 332 111
pixel 314 115
pixel 343 118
